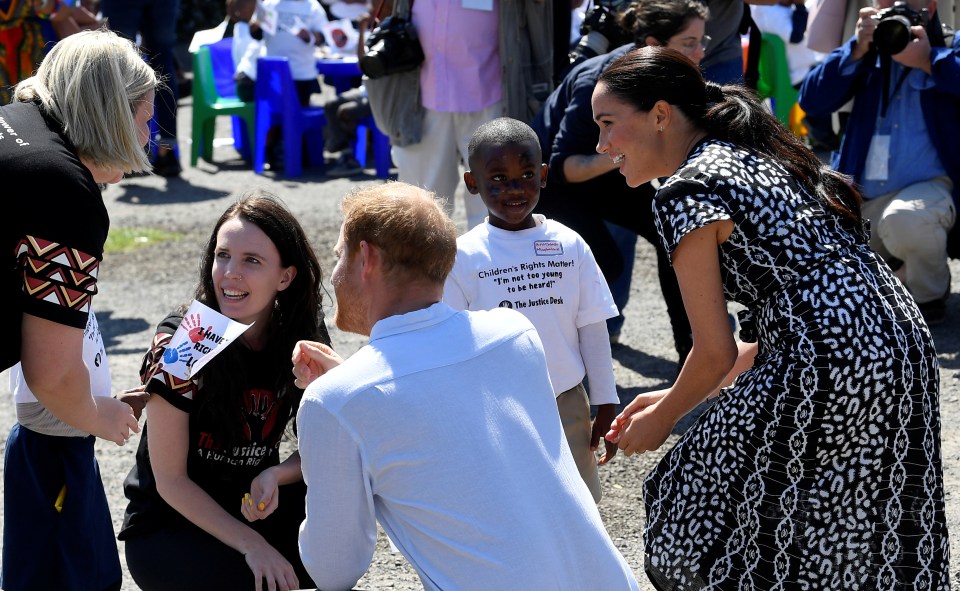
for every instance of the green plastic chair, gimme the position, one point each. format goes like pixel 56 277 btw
pixel 774 80
pixel 208 105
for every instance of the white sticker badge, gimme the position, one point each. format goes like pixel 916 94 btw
pixel 548 248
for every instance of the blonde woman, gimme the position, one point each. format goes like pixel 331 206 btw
pixel 78 124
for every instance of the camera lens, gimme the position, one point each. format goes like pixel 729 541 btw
pixel 892 34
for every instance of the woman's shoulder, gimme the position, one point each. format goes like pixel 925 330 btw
pixel 171 322
pixel 713 160
pixel 34 148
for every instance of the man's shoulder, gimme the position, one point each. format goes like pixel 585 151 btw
pixel 464 335
pixel 356 374
pixel 592 68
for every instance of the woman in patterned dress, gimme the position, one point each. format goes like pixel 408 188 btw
pixel 820 467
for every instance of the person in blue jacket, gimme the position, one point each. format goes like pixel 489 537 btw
pixel 897 145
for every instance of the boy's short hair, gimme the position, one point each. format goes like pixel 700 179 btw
pixel 503 130
pixel 408 224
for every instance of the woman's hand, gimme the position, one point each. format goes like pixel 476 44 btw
pixel 268 565
pixel 641 402
pixel 645 429
pixel 115 420
pixel 263 498
pixel 311 360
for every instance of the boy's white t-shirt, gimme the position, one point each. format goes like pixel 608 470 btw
pixel 245 50
pixel 547 273
pixel 94 357
pixel 293 15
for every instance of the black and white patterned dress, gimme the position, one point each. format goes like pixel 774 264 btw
pixel 820 467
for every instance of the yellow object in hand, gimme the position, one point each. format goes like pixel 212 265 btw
pixel 58 504
pixel 262 506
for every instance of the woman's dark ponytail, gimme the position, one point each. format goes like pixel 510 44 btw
pixel 734 114
pixel 729 113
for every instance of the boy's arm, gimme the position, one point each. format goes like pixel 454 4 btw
pixel 598 362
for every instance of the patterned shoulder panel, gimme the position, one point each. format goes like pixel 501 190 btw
pixel 159 381
pixel 57 274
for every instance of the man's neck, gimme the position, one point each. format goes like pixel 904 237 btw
pixel 394 300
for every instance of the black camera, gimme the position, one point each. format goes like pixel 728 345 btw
pixel 893 27
pixel 392 47
pixel 600 32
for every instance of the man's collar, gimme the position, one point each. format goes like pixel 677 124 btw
pixel 411 321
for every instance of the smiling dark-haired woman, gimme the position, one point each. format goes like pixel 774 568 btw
pixel 212 506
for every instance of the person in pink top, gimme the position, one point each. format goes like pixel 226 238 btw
pixel 464 82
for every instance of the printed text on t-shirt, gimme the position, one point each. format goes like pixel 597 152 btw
pixel 526 277
pixel 11 132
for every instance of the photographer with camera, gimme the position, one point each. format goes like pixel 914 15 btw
pixel 600 32
pixel 902 71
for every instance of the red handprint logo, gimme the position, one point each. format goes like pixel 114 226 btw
pixel 194 330
pixel 260 414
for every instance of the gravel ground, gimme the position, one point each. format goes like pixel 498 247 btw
pixel 139 288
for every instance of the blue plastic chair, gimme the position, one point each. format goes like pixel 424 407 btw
pixel 367 127
pixel 276 102
pixel 221 58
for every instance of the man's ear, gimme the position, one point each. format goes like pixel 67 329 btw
pixel 543 175
pixel 471 182
pixel 651 41
pixel 370 259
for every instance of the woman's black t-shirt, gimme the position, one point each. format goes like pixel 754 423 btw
pixel 223 472
pixel 53 228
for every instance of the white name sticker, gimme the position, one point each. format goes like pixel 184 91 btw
pixel 878 159
pixel 548 248
pixel 478 4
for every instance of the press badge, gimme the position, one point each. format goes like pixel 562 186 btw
pixel 878 159
pixel 477 4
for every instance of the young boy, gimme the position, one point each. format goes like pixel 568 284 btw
pixel 546 271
